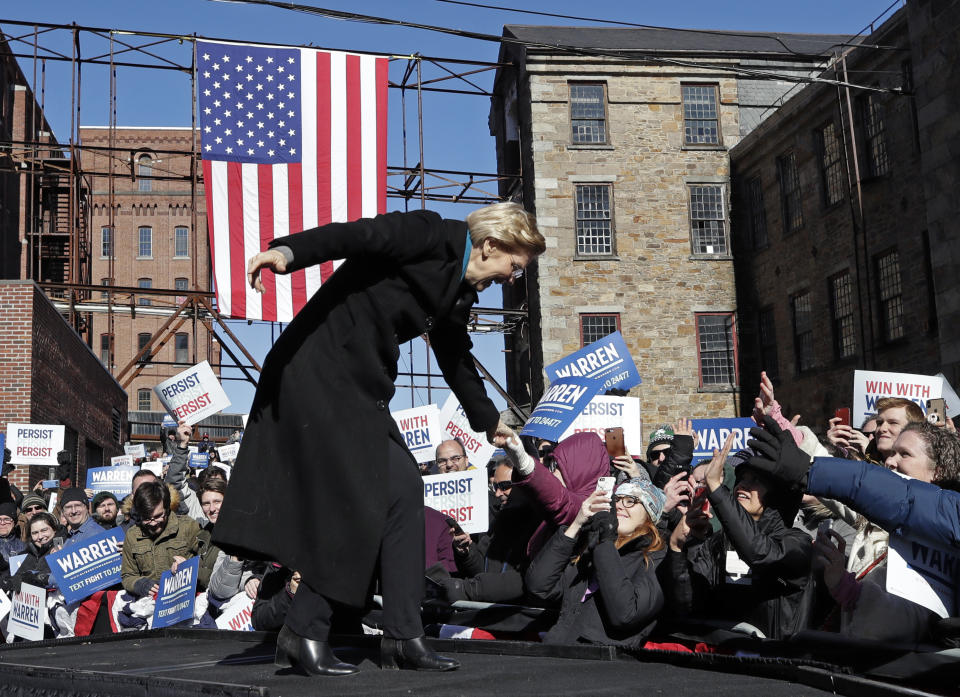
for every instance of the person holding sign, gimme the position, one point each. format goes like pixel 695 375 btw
pixel 42 534
pixel 325 391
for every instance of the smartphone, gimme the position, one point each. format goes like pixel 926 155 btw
pixel 454 524
pixel 606 484
pixel 701 493
pixel 50 483
pixel 937 411
pixel 825 527
pixel 614 439
pixel 843 413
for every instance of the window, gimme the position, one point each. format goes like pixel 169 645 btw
pixel 831 168
pixel 701 122
pixel 181 236
pixel 106 241
pixel 180 283
pixel 790 199
pixel 595 327
pixel 757 213
pixel 708 233
pixel 181 344
pixel 143 400
pixel 594 220
pixel 874 135
pixel 143 339
pixel 145 243
pixel 587 114
pixel 802 331
pixel 891 295
pixel 841 312
pixel 104 294
pixel 768 343
pixel 144 172
pixel 116 424
pixel 105 349
pixel 716 346
pixel 144 283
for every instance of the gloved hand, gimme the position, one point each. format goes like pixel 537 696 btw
pixel 778 454
pixel 606 524
pixel 522 463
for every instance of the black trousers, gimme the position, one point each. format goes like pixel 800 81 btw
pixel 401 563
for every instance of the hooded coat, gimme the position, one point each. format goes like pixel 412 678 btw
pixel 308 486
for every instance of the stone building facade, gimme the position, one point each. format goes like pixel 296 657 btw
pixel 621 148
pixel 845 234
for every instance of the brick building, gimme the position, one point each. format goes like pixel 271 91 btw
pixel 845 232
pixel 621 148
pixel 152 244
pixel 49 376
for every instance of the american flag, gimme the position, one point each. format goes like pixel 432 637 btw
pixel 291 138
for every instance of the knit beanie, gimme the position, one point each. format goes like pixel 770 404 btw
pixel 9 509
pixel 32 500
pixel 99 498
pixel 652 498
pixel 662 435
pixel 73 494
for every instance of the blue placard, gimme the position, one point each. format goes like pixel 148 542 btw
pixel 199 460
pixel 81 570
pixel 560 405
pixel 15 561
pixel 168 422
pixel 177 595
pixel 117 480
pixel 606 361
pixel 3 441
pixel 711 433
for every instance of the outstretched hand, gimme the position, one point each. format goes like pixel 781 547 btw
pixel 778 454
pixel 714 472
pixel 270 259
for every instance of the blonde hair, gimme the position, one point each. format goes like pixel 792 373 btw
pixel 509 224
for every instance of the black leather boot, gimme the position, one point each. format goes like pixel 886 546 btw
pixel 309 655
pixel 413 654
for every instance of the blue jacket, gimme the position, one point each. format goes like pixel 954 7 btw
pixel 87 530
pixel 908 507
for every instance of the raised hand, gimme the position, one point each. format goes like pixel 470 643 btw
pixel 270 259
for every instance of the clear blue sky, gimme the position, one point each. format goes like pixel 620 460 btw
pixel 455 127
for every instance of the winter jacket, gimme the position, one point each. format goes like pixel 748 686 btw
pixel 177 478
pixel 608 597
pixel 12 544
pixel 87 530
pixel 144 559
pixel 208 553
pixel 34 569
pixel 273 599
pixel 679 459
pixel 757 572
pixel 438 543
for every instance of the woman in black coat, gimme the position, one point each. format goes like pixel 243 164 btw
pixel 322 455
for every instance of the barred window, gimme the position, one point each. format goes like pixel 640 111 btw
pixel 181 238
pixel 143 400
pixel 145 243
pixel 802 331
pixel 181 347
pixel 594 219
pixel 144 172
pixel 768 342
pixel 716 349
pixel 595 327
pixel 874 135
pixel 831 168
pixel 890 291
pixel 144 283
pixel 708 231
pixel 701 121
pixel 790 199
pixel 757 213
pixel 588 113
pixel 841 312
pixel 180 283
pixel 106 241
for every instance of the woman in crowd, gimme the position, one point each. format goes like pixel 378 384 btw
pixel 610 593
pixel 755 570
pixel 42 530
pixel 11 541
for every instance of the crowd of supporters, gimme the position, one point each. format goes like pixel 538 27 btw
pixel 794 532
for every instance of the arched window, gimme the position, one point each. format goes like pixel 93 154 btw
pixel 144 172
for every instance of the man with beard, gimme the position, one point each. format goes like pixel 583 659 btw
pixel 106 510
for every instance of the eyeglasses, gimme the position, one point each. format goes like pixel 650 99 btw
pixel 503 486
pixel 453 459
pixel 517 271
pixel 33 509
pixel 9 521
pixel 626 501
pixel 155 519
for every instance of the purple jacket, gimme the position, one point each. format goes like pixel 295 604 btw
pixel 438 544
pixel 581 459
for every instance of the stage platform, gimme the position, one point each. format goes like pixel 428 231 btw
pixel 185 662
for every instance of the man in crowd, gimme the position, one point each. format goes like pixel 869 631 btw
pixel 31 505
pixel 10 541
pixel 661 440
pixel 502 483
pixel 80 525
pixel 106 510
pixel 452 456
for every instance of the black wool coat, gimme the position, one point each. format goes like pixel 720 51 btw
pixel 308 488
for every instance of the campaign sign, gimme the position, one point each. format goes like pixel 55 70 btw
pixel 924 575
pixel 949 395
pixel 606 361
pixel 455 425
pixel 15 561
pixel 712 433
pixel 80 570
pixel 199 460
pixel 559 407
pixel 177 595
pixel 155 466
pixel 420 428
pixel 235 614
pixel 605 412
pixel 121 461
pixel 460 495
pixel 116 480
pixel 228 453
pixel 870 385
pixel 136 451
pixel 28 612
pixel 193 395
pixel 168 422
pixel 34 444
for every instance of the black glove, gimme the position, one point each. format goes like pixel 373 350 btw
pixel 778 455
pixel 606 524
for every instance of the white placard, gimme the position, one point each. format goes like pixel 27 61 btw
pixel 28 612
pixel 228 453
pixel 154 466
pixel 227 469
pixel 609 412
pixel 924 575
pixel 235 614
pixel 420 429
pixel 34 444
pixel 460 495
pixel 52 503
pixel 4 606
pixel 192 395
pixel 136 451
pixel 871 385
pixel 121 460
pixel 949 395
pixel 454 422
